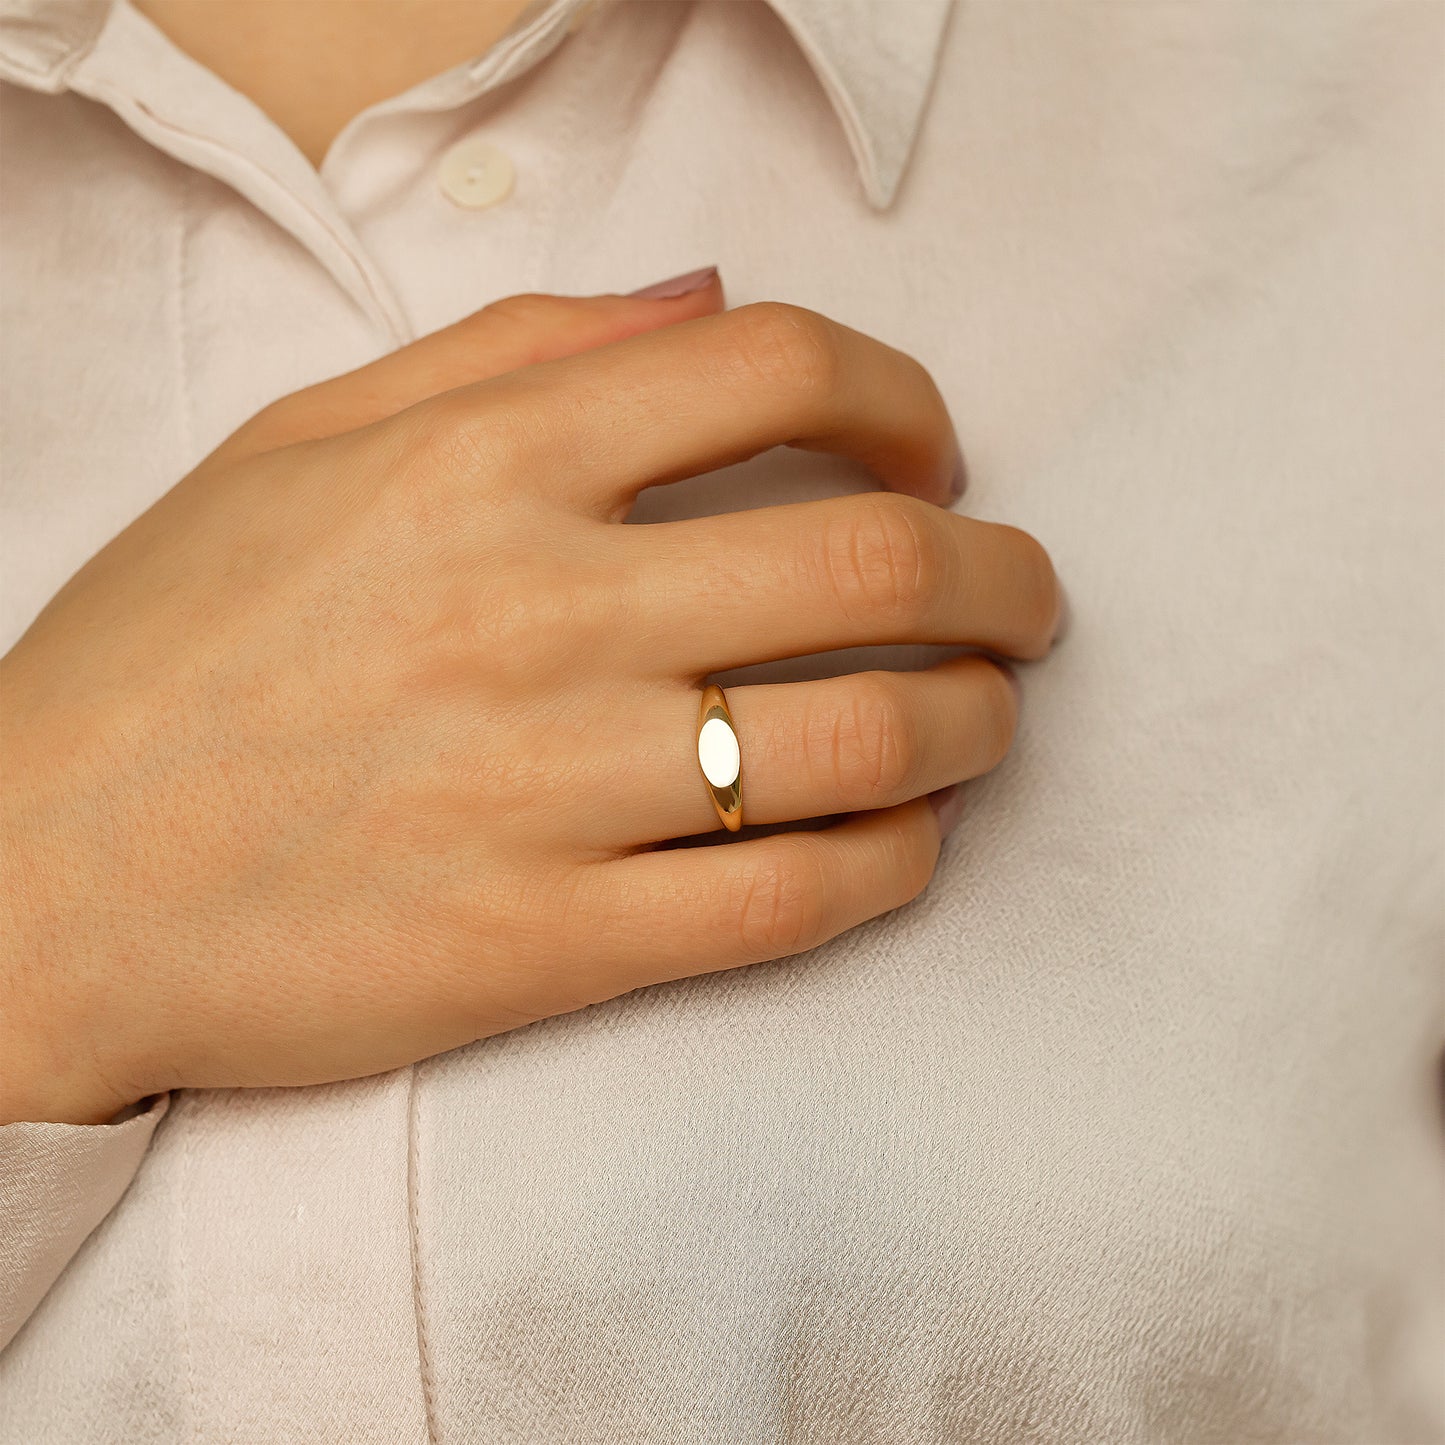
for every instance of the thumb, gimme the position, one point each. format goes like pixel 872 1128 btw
pixel 513 332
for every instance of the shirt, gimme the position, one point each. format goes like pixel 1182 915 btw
pixel 1127 1128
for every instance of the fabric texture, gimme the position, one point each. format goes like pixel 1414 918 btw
pixel 57 1182
pixel 1128 1128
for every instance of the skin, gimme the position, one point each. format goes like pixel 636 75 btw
pixel 313 64
pixel 360 743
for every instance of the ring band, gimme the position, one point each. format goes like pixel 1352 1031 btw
pixel 720 757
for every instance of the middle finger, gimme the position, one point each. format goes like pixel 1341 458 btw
pixel 875 568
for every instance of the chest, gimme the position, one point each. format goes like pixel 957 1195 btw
pixel 1151 297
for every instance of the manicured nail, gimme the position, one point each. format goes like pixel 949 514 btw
pixel 947 804
pixel 683 285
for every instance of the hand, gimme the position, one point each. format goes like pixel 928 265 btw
pixel 357 745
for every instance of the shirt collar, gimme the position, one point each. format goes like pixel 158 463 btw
pixel 875 60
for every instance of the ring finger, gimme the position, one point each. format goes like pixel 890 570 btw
pixel 860 741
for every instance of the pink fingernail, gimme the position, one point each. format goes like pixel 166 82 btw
pixel 675 286
pixel 947 804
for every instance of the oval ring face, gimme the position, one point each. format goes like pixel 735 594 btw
pixel 718 752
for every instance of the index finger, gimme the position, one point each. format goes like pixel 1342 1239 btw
pixel 715 390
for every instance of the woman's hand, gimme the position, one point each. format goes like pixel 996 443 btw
pixel 356 745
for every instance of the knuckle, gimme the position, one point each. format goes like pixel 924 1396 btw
pixel 501 622
pixel 781 905
pixel 411 482
pixel 428 441
pixel 524 310
pixel 533 623
pixel 459 449
pixel 530 613
pixel 872 746
pixel 787 347
pixel 884 559
pixel 273 418
pixel 274 425
pixel 538 916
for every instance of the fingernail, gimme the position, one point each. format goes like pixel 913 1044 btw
pixel 960 475
pixel 947 804
pixel 683 285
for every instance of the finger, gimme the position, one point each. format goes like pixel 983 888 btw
pixel 514 332
pixel 672 913
pixel 712 593
pixel 595 430
pixel 863 740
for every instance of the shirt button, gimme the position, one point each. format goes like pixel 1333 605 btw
pixel 475 174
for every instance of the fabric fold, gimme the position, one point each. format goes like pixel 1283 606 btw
pixel 57 1182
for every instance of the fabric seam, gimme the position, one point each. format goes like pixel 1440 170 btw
pixel 183 287
pixel 126 107
pixel 187 1171
pixel 423 1349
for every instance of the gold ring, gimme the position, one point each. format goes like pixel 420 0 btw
pixel 720 757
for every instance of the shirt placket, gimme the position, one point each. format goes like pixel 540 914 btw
pixel 185 110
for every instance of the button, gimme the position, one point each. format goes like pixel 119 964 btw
pixel 475 174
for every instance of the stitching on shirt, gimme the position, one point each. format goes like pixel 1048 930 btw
pixel 184 390
pixel 128 108
pixel 187 1169
pixel 187 1173
pixel 428 1386
pixel 499 64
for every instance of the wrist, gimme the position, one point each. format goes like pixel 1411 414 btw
pixel 50 1068
pixel 56 1044
pixel 36 1094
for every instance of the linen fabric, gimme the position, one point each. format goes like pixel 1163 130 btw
pixel 1127 1129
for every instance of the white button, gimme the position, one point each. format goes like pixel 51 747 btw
pixel 475 174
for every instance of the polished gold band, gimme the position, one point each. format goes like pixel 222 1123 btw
pixel 719 756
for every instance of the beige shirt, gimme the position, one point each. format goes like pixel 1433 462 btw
pixel 1127 1129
